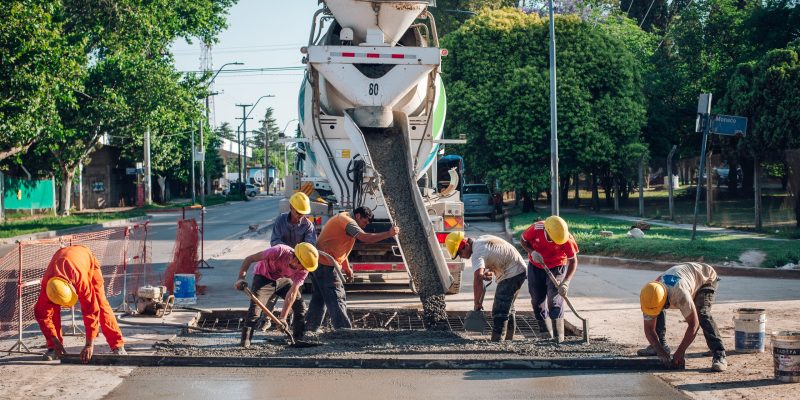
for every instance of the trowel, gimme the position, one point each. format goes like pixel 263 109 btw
pixel 476 321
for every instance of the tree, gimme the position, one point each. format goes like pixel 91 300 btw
pixel 503 107
pixel 450 14
pixel 39 67
pixel 768 92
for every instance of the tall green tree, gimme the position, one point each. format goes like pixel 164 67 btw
pixel 503 107
pixel 39 68
pixel 450 14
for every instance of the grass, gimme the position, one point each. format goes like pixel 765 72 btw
pixel 21 224
pixel 663 243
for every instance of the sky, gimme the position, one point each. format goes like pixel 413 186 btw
pixel 261 34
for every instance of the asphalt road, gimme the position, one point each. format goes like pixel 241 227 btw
pixel 286 383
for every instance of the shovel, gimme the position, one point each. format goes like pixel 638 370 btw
pixel 476 321
pixel 275 320
pixel 585 322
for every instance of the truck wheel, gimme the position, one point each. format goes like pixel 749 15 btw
pixel 455 287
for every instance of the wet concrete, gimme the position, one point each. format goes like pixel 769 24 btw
pixel 364 343
pixel 355 384
pixel 388 151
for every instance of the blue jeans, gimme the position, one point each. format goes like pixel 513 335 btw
pixel 546 301
pixel 328 293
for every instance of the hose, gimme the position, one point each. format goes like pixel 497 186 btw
pixel 355 173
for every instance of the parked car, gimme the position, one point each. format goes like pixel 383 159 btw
pixel 251 190
pixel 478 200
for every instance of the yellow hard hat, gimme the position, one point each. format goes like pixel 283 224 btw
pixel 308 256
pixel 453 242
pixel 652 298
pixel 301 203
pixel 556 228
pixel 61 292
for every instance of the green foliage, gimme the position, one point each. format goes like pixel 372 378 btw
pixel 450 14
pixel 503 107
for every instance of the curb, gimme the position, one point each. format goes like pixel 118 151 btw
pixel 637 364
pixel 661 266
pixel 68 231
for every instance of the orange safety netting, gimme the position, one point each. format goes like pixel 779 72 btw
pixel 184 257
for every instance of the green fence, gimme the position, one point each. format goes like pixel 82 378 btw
pixel 21 194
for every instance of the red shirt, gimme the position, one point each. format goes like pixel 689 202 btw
pixel 554 254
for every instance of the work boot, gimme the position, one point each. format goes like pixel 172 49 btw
pixel 650 351
pixel 503 329
pixel 50 355
pixel 545 331
pixel 719 363
pixel 558 329
pixel 496 336
pixel 247 336
pixel 512 326
pixel 119 351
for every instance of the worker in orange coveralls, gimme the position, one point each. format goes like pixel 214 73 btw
pixel 74 275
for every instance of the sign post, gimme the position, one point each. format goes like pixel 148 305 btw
pixel 704 120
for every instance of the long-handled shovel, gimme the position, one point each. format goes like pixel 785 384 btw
pixel 283 328
pixel 476 321
pixel 585 322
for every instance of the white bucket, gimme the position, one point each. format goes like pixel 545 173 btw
pixel 786 355
pixel 185 292
pixel 750 326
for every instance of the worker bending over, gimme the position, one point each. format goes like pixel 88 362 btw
pixel 550 245
pixel 290 229
pixel 691 288
pixel 492 257
pixel 337 239
pixel 72 276
pixel 277 262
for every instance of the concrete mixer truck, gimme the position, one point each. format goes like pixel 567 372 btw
pixel 371 110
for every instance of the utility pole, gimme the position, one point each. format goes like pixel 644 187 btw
pixel 704 115
pixel 202 154
pixel 243 153
pixel 554 201
pixel 239 151
pixel 193 184
pixel 266 153
pixel 148 192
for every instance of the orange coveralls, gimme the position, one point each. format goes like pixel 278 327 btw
pixel 78 265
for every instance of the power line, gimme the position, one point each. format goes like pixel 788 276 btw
pixel 251 70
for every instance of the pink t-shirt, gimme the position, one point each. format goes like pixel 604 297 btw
pixel 275 265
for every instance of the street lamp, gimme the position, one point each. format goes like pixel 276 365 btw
pixel 285 150
pixel 243 126
pixel 554 206
pixel 202 142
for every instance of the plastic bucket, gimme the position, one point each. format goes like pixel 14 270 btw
pixel 185 292
pixel 786 355
pixel 750 327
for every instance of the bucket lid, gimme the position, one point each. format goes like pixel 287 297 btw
pixel 786 335
pixel 751 310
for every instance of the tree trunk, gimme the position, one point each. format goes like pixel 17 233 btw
pixel 747 177
pixel 564 190
pixel 595 193
pixel 527 202
pixel 607 189
pixel 65 199
pixel 577 190
pixel 162 181
pixel 733 178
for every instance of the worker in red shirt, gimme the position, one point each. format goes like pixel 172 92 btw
pixel 74 275
pixel 550 245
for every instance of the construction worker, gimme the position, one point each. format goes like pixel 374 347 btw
pixel 72 276
pixel 337 239
pixel 550 245
pixel 691 288
pixel 277 262
pixel 290 229
pixel 492 257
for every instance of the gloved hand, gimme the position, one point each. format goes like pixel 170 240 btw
pixel 284 323
pixel 537 258
pixel 240 284
pixel 563 288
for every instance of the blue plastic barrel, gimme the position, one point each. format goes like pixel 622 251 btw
pixel 749 325
pixel 185 292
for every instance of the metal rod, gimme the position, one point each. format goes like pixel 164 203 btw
pixel 706 118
